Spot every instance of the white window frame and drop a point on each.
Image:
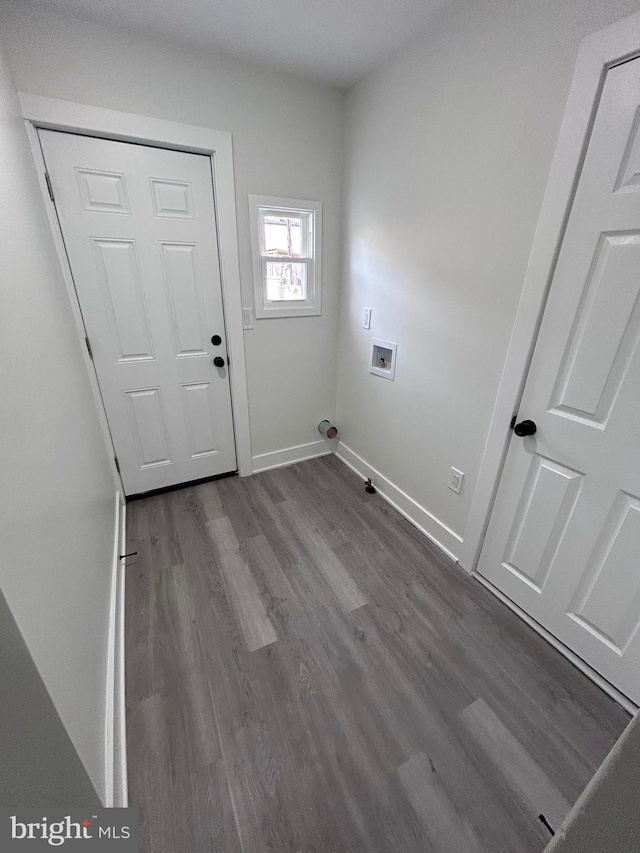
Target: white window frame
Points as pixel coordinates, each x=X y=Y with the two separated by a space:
x=312 y=305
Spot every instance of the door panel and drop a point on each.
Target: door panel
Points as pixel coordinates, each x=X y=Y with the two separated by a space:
x=605 y=600
x=563 y=541
x=184 y=298
x=105 y=192
x=629 y=175
x=199 y=411
x=149 y=427
x=605 y=332
x=548 y=498
x=123 y=299
x=172 y=199
x=140 y=232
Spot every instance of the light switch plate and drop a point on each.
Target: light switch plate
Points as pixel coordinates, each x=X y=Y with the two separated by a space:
x=456 y=479
x=366 y=318
x=247 y=318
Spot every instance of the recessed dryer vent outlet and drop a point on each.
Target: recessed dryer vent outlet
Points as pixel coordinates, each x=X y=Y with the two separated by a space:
x=383 y=358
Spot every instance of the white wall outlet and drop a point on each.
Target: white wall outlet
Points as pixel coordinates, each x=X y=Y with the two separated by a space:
x=456 y=479
x=247 y=318
x=366 y=318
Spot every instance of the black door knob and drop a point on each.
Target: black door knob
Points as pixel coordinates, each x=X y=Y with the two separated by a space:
x=525 y=428
x=216 y=340
x=218 y=361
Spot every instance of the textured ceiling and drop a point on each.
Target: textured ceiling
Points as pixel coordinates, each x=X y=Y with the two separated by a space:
x=332 y=41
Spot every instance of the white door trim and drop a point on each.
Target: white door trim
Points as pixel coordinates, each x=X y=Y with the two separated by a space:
x=598 y=52
x=55 y=114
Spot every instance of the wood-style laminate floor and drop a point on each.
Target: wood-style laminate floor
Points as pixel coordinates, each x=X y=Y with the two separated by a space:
x=306 y=673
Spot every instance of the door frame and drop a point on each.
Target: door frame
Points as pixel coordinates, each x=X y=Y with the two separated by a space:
x=53 y=114
x=599 y=52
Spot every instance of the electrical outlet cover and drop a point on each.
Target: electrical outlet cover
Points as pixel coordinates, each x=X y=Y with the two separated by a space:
x=456 y=479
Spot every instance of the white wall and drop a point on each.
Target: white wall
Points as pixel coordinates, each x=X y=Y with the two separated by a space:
x=287 y=139
x=40 y=766
x=58 y=493
x=448 y=150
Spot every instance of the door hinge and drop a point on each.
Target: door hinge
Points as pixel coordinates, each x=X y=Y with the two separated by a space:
x=115 y=458
x=89 y=350
x=513 y=422
x=49 y=187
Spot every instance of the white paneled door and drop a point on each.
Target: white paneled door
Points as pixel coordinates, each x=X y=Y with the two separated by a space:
x=140 y=233
x=564 y=538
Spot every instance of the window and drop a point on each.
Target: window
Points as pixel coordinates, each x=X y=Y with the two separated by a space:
x=286 y=237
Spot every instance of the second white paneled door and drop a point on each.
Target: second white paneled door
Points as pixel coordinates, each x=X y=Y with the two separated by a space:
x=564 y=537
x=140 y=232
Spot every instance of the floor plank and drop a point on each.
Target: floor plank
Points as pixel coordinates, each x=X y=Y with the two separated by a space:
x=306 y=673
x=445 y=824
x=338 y=579
x=243 y=591
x=513 y=762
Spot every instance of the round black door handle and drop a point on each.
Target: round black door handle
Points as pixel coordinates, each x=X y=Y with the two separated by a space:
x=525 y=428
x=218 y=361
x=216 y=340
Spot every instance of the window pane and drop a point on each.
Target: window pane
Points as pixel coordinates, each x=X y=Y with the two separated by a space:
x=287 y=281
x=283 y=235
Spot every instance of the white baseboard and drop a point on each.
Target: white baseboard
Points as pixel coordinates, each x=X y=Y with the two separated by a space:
x=116 y=795
x=290 y=455
x=120 y=786
x=434 y=529
x=619 y=697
